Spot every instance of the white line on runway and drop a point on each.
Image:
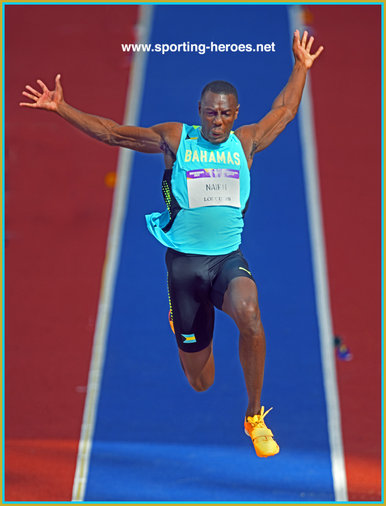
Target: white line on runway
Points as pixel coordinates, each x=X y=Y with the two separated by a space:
x=125 y=160
x=310 y=164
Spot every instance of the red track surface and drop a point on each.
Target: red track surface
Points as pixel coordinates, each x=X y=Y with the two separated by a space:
x=346 y=86
x=57 y=215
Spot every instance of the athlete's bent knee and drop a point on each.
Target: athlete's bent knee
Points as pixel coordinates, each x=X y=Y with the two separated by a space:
x=199 y=368
x=201 y=383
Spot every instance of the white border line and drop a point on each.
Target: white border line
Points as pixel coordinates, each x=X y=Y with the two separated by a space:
x=125 y=160
x=310 y=164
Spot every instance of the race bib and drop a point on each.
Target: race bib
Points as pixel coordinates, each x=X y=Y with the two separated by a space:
x=213 y=187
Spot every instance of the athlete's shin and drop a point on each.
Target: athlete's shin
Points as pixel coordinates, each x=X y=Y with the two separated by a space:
x=252 y=357
x=241 y=304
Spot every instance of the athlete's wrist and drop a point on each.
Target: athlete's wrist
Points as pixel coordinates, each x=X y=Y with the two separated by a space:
x=300 y=66
x=61 y=108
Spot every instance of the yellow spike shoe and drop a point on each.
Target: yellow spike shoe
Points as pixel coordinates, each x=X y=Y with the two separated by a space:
x=262 y=437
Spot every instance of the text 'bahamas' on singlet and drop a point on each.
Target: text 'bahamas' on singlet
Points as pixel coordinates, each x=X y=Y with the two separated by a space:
x=206 y=195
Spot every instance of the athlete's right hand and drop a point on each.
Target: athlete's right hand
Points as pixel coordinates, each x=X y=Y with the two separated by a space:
x=46 y=99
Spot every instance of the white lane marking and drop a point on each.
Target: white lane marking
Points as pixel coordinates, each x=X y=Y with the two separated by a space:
x=309 y=150
x=125 y=160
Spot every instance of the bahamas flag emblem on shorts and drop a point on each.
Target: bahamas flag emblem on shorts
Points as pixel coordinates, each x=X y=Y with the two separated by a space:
x=189 y=338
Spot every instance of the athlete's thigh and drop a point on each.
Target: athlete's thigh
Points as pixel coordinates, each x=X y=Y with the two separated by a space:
x=233 y=267
x=192 y=312
x=195 y=363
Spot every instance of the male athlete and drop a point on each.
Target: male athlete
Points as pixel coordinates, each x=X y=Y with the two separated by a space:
x=206 y=189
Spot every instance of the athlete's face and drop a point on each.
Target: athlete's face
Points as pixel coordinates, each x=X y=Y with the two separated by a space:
x=218 y=113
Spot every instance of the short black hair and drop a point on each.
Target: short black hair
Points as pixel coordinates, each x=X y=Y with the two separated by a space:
x=220 y=87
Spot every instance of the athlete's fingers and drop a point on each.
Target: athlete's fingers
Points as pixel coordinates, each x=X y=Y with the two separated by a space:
x=58 y=84
x=309 y=45
x=304 y=38
x=27 y=104
x=32 y=90
x=321 y=48
x=296 y=39
x=32 y=97
x=43 y=86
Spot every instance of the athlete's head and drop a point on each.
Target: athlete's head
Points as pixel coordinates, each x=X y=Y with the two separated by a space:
x=218 y=109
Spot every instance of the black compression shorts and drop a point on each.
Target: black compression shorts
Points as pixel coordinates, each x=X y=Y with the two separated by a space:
x=196 y=284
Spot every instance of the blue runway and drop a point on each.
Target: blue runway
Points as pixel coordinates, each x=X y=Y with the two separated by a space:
x=155 y=438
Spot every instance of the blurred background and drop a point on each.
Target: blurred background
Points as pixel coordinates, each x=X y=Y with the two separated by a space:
x=155 y=439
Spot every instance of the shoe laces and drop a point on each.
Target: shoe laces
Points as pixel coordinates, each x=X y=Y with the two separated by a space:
x=258 y=420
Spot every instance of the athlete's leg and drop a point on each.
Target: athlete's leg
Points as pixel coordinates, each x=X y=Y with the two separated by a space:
x=198 y=367
x=192 y=316
x=241 y=304
x=235 y=292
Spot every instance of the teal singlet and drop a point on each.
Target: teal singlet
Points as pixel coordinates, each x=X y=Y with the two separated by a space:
x=206 y=195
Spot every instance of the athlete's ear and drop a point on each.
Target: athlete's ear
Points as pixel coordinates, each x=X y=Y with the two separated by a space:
x=237 y=111
x=199 y=107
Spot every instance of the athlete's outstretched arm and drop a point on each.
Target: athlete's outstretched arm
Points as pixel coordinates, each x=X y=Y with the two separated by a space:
x=155 y=139
x=285 y=106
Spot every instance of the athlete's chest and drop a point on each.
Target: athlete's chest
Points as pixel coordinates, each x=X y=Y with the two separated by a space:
x=210 y=175
x=195 y=154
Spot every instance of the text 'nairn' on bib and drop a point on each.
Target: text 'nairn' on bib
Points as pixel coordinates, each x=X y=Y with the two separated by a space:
x=213 y=187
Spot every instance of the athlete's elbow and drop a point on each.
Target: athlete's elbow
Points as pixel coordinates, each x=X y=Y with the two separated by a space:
x=290 y=113
x=287 y=114
x=111 y=134
x=114 y=139
x=106 y=138
x=110 y=139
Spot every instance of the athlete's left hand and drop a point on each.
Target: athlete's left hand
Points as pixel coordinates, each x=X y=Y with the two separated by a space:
x=302 y=49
